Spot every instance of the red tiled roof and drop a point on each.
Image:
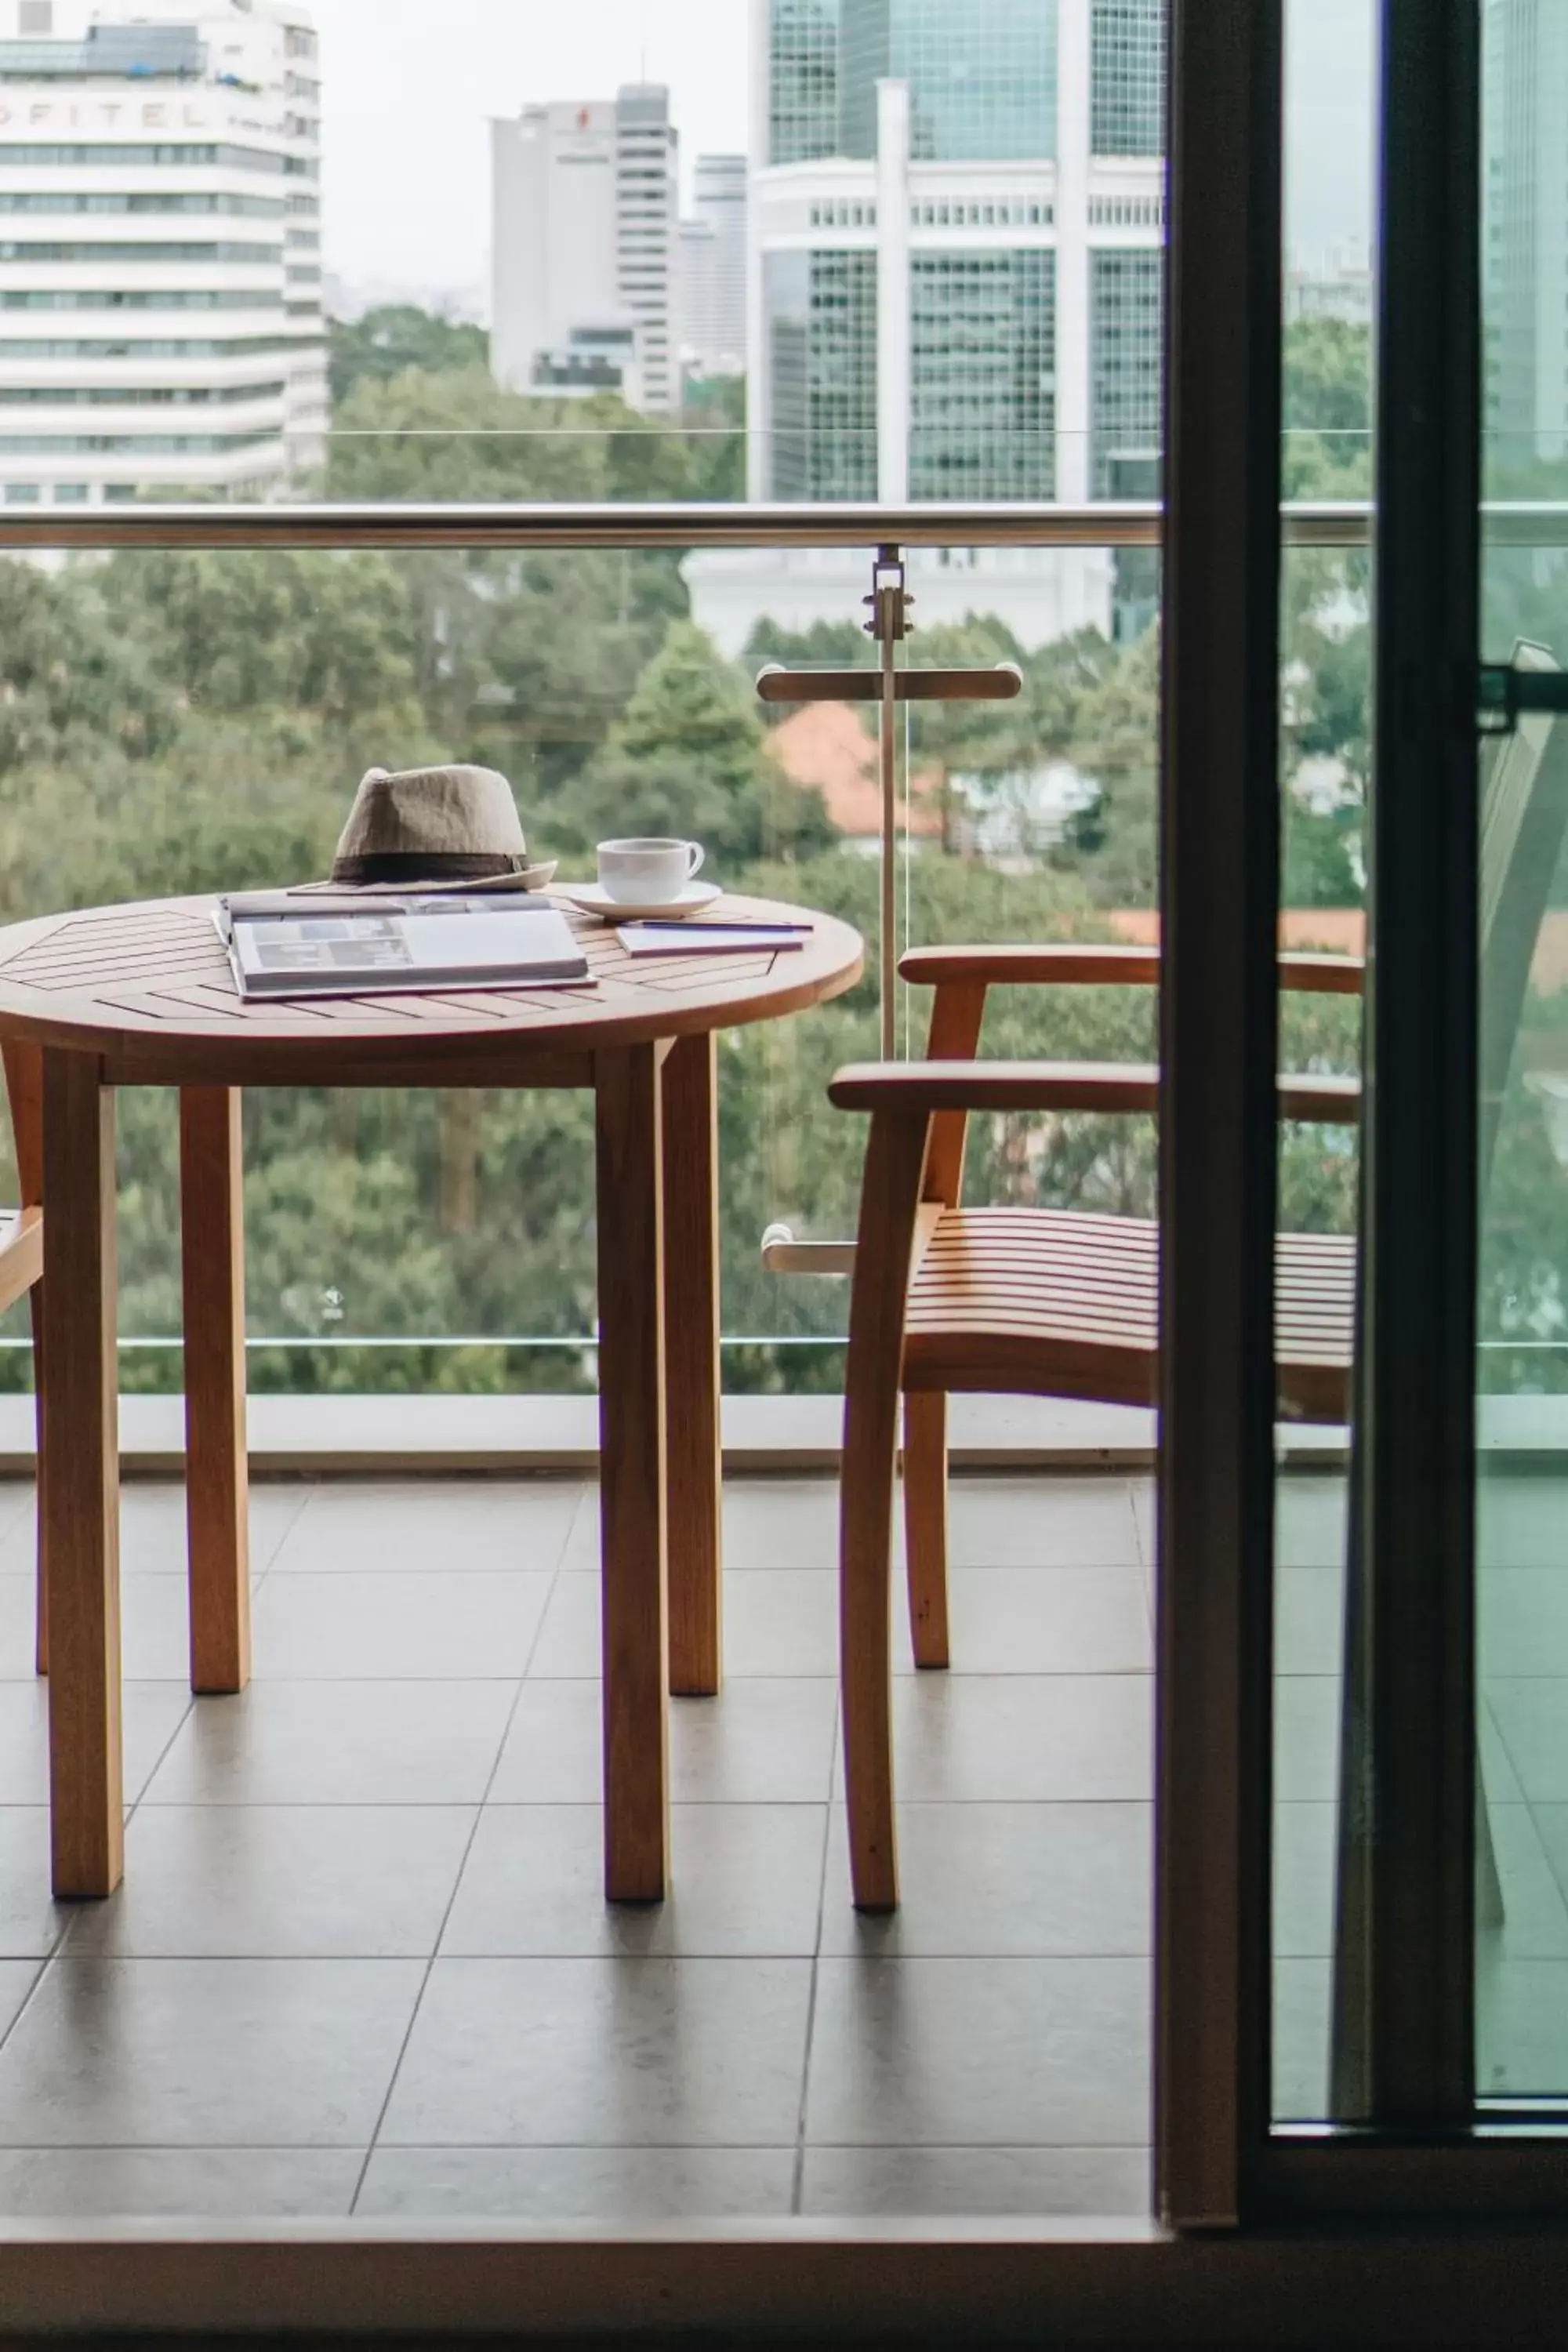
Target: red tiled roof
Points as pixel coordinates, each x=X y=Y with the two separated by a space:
x=824 y=744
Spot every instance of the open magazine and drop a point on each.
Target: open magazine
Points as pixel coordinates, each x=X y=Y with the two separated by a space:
x=283 y=944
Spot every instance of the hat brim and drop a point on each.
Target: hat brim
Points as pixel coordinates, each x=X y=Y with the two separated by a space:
x=527 y=877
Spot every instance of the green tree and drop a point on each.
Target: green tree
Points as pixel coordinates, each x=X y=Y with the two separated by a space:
x=394 y=337
x=1114 y=840
x=689 y=759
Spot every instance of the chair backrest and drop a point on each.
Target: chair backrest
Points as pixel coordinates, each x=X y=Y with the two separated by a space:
x=1524 y=815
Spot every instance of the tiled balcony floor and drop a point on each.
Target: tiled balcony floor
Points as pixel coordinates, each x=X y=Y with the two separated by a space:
x=362 y=1964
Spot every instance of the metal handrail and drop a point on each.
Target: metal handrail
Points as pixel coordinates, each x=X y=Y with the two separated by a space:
x=633 y=525
x=1341 y=524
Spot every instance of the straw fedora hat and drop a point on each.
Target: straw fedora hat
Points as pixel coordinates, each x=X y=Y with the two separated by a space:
x=435 y=829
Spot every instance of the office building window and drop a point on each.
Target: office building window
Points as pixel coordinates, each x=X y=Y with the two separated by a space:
x=1127 y=311
x=982 y=78
x=982 y=358
x=822 y=360
x=1127 y=66
x=803 y=80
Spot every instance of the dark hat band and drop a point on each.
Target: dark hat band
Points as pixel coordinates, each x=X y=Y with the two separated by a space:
x=413 y=866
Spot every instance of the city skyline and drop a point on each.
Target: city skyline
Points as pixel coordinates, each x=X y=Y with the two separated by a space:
x=425 y=232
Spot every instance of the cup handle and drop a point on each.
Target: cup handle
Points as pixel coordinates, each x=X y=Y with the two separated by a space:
x=696 y=854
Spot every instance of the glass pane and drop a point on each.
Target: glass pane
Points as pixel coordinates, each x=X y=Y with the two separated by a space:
x=1521 y=1955
x=1325 y=651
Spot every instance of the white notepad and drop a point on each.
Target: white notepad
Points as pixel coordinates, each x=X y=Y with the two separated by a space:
x=706 y=939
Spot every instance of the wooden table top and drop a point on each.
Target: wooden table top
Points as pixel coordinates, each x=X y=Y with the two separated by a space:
x=148 y=988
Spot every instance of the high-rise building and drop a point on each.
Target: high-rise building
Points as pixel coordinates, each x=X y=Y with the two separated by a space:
x=583 y=249
x=646 y=238
x=713 y=267
x=1525 y=229
x=1338 y=284
x=957 y=224
x=160 y=321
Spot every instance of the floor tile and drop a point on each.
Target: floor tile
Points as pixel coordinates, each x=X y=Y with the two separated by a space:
x=150 y=1713
x=17 y=1979
x=768 y=1523
x=413 y=1626
x=1532 y=1716
x=31 y=1924
x=16 y=1507
x=746 y=1881
x=221 y=1881
x=1145 y=1518
x=1309 y=1521
x=993 y=1880
x=17 y=1619
x=570 y=1644
x=213 y=2184
x=1021 y=1739
x=390 y=1743
x=792 y=1523
x=978 y=2052
x=1523 y=1620
x=155 y=1628
x=1305 y=1869
x=510 y=1527
x=581 y=2053
x=777 y=1622
x=1530 y=1846
x=1302 y=1999
x=1521 y=2027
x=198 y=2053
x=1042 y=1523
x=578 y=2184
x=876 y=2183
x=1308 y=1621
x=1306 y=1738
x=757 y=1743
x=1520 y=1522
x=781 y=1523
x=1014 y=1621
x=153 y=1526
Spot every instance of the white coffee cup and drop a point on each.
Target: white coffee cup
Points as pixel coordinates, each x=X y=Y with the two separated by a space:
x=647 y=873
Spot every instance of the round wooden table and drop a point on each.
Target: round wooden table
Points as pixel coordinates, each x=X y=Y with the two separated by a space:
x=142 y=996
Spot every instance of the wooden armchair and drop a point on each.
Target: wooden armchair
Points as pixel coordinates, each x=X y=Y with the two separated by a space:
x=1015 y=1301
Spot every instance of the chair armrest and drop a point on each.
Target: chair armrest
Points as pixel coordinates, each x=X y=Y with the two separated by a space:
x=1098 y=965
x=1091 y=965
x=921 y=1088
x=928 y=1086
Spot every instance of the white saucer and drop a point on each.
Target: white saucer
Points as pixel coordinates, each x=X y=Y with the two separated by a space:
x=592 y=899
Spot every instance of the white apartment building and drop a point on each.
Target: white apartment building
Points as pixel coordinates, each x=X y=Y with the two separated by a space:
x=713 y=268
x=161 y=320
x=584 y=249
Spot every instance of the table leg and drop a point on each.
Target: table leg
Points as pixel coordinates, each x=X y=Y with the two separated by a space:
x=693 y=1453
x=80 y=1488
x=216 y=1475
x=25 y=1087
x=632 y=1487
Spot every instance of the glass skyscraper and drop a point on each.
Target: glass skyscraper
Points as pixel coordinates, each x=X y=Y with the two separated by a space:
x=1128 y=78
x=959 y=242
x=982 y=77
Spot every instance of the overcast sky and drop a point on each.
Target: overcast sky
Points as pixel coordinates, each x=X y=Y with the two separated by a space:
x=409 y=87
